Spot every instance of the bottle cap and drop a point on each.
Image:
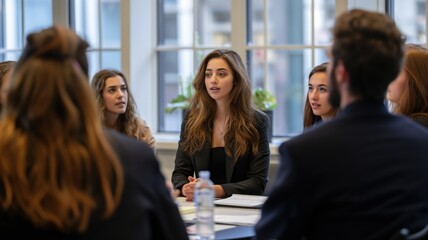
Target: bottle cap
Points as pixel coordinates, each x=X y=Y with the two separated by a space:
x=204 y=174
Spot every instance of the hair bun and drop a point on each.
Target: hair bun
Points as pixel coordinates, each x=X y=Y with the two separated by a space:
x=56 y=43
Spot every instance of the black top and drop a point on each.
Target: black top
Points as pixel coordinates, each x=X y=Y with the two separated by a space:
x=217 y=165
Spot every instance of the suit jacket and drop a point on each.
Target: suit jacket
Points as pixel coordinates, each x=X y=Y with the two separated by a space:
x=421 y=118
x=247 y=175
x=362 y=175
x=146 y=210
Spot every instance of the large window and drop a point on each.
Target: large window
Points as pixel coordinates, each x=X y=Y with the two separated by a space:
x=187 y=30
x=286 y=38
x=18 y=18
x=410 y=17
x=281 y=41
x=98 y=21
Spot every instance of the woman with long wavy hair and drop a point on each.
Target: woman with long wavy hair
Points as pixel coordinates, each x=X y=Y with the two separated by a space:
x=408 y=93
x=61 y=174
x=117 y=105
x=222 y=131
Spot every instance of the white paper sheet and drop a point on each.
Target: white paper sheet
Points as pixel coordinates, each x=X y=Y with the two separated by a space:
x=242 y=200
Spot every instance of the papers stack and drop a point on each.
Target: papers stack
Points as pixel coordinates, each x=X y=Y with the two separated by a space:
x=242 y=200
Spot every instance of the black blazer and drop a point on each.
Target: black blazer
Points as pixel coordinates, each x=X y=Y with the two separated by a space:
x=146 y=210
x=362 y=175
x=248 y=175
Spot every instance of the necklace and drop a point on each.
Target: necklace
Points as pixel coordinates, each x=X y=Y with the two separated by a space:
x=221 y=132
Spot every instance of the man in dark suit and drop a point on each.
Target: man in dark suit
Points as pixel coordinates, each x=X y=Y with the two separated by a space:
x=364 y=174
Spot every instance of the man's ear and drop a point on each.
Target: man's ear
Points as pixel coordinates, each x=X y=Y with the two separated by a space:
x=341 y=73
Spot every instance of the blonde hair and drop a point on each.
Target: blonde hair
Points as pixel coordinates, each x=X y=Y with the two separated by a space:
x=56 y=166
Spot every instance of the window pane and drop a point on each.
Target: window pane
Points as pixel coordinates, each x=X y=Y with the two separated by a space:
x=15 y=26
x=175 y=22
x=324 y=20
x=320 y=56
x=287 y=71
x=110 y=23
x=364 y=4
x=171 y=67
x=12 y=26
x=111 y=59
x=213 y=23
x=256 y=61
x=12 y=56
x=86 y=22
x=98 y=60
x=289 y=22
x=255 y=23
x=94 y=62
x=37 y=15
x=410 y=17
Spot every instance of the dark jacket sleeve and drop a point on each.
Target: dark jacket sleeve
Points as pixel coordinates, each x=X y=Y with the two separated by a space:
x=183 y=167
x=166 y=221
x=258 y=165
x=147 y=209
x=281 y=217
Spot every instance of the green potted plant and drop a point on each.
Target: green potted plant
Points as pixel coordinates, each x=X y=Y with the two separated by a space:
x=186 y=92
x=266 y=102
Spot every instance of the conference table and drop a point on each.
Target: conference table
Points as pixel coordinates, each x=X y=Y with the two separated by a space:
x=231 y=221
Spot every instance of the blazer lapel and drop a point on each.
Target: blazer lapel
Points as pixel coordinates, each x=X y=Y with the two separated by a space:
x=230 y=164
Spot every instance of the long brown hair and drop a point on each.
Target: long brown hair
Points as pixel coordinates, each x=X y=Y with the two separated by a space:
x=241 y=131
x=56 y=165
x=309 y=118
x=5 y=67
x=128 y=121
x=414 y=99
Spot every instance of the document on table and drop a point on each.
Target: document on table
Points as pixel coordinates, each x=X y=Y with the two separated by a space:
x=186 y=209
x=242 y=200
x=248 y=220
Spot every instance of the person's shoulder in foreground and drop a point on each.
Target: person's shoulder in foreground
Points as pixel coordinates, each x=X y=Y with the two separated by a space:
x=147 y=210
x=61 y=175
x=361 y=175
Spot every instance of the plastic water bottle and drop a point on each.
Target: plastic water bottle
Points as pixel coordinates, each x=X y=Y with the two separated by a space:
x=204 y=201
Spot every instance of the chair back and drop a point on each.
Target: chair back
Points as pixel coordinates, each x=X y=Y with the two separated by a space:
x=404 y=234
